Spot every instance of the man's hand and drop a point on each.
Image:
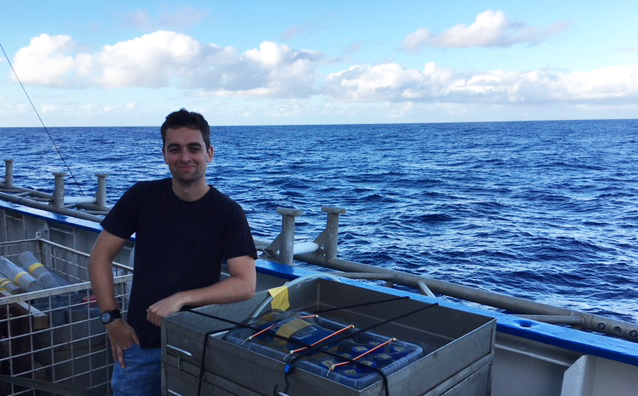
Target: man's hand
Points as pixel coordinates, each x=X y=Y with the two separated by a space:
x=163 y=308
x=122 y=336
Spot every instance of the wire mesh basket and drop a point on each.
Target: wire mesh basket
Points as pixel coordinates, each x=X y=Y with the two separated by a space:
x=54 y=336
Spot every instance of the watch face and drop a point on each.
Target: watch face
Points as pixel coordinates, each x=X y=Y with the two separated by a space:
x=109 y=316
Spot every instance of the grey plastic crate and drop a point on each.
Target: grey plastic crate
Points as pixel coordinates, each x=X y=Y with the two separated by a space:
x=462 y=346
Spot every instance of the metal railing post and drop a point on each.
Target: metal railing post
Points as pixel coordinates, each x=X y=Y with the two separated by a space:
x=58 y=193
x=8 y=173
x=286 y=250
x=100 y=194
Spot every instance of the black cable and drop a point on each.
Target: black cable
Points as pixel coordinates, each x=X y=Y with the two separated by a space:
x=361 y=304
x=350 y=335
x=201 y=366
x=42 y=122
x=289 y=366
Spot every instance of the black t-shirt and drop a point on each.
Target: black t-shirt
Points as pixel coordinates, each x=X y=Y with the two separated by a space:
x=179 y=245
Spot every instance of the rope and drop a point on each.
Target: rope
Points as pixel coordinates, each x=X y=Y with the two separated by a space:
x=42 y=122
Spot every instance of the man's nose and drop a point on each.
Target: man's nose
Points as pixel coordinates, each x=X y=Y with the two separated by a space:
x=184 y=156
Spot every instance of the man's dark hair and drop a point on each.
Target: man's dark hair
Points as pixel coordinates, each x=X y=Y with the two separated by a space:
x=186 y=119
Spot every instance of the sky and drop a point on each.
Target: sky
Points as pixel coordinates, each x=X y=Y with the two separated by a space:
x=130 y=63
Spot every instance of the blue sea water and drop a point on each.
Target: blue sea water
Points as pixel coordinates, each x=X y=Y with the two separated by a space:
x=541 y=210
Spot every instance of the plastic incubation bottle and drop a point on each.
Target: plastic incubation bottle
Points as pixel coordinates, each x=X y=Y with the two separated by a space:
x=29 y=262
x=8 y=286
x=19 y=275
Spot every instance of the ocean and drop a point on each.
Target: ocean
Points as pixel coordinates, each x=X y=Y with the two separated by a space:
x=541 y=210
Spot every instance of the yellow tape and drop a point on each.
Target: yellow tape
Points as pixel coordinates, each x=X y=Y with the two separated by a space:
x=20 y=275
x=4 y=282
x=292 y=327
x=279 y=298
x=35 y=266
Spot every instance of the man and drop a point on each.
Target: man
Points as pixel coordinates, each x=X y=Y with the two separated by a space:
x=184 y=230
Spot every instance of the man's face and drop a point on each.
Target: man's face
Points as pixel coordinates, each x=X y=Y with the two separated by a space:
x=186 y=155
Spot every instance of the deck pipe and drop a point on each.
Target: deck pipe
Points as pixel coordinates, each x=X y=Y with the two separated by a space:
x=47 y=207
x=56 y=202
x=513 y=304
x=540 y=311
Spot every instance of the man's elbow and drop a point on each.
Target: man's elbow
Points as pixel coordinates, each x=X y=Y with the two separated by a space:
x=243 y=269
x=250 y=289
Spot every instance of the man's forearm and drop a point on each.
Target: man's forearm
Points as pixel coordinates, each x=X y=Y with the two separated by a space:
x=101 y=269
x=102 y=283
x=229 y=290
x=238 y=287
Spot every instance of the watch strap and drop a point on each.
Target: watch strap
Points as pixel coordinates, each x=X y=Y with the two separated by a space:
x=108 y=316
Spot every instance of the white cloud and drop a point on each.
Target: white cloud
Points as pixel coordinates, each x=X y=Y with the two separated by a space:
x=490 y=29
x=152 y=60
x=91 y=109
x=627 y=49
x=50 y=108
x=613 y=82
x=46 y=61
x=272 y=70
x=394 y=83
x=166 y=58
x=387 y=82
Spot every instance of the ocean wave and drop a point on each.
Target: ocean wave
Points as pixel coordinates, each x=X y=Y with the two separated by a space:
x=544 y=210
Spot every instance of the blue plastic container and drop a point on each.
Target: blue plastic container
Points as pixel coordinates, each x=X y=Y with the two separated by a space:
x=306 y=331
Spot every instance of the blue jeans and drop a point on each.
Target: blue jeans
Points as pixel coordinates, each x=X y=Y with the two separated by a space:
x=142 y=375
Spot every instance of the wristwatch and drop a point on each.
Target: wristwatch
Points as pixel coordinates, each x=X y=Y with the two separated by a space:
x=108 y=316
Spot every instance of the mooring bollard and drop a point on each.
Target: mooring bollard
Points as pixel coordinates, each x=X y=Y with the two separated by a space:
x=329 y=238
x=282 y=248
